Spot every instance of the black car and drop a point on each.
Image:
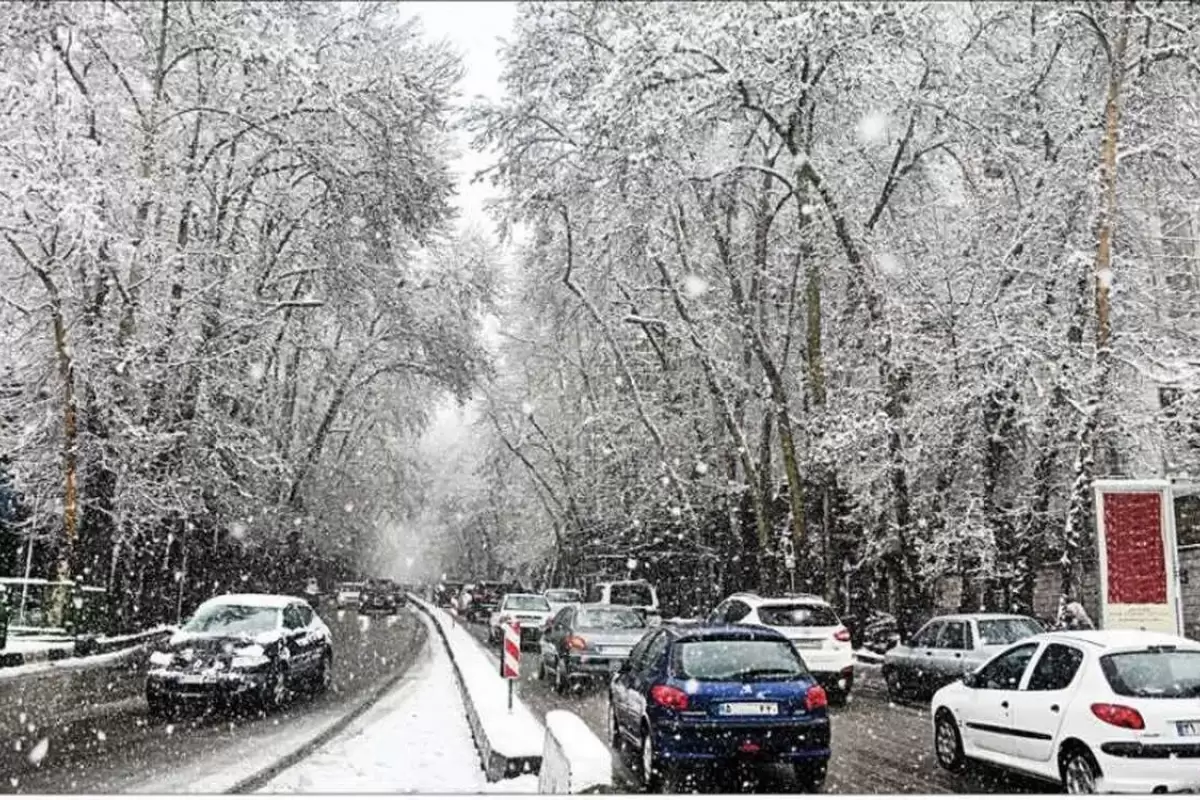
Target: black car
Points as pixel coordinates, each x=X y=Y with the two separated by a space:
x=380 y=594
x=255 y=648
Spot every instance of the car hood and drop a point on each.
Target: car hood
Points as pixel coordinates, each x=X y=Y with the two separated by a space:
x=206 y=642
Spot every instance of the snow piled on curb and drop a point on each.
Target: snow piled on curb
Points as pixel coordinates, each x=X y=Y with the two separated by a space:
x=416 y=740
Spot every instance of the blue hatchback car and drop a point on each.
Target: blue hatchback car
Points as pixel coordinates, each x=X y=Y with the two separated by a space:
x=694 y=695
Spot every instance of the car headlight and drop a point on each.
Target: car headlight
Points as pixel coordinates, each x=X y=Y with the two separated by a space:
x=249 y=657
x=160 y=659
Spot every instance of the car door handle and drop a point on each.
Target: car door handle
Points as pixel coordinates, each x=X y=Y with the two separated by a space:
x=958 y=655
x=1054 y=708
x=1004 y=704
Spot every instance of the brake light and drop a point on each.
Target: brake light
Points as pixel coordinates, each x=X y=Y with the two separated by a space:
x=1120 y=716
x=842 y=635
x=669 y=697
x=815 y=698
x=577 y=643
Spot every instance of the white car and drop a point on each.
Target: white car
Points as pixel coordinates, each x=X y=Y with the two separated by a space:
x=812 y=626
x=1111 y=711
x=639 y=595
x=561 y=598
x=532 y=611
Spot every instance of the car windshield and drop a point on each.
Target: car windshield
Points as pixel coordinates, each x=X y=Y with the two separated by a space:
x=609 y=618
x=563 y=596
x=738 y=660
x=1154 y=673
x=1007 y=630
x=233 y=619
x=631 y=594
x=798 y=615
x=527 y=602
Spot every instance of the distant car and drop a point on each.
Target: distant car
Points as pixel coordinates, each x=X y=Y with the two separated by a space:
x=312 y=590
x=639 y=594
x=560 y=598
x=485 y=597
x=242 y=647
x=716 y=695
x=591 y=641
x=349 y=595
x=530 y=610
x=446 y=593
x=1111 y=711
x=379 y=594
x=948 y=647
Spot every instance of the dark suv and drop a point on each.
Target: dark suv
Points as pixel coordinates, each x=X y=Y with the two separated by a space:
x=380 y=594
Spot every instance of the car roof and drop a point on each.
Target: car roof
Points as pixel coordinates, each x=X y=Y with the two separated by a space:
x=1121 y=639
x=262 y=600
x=757 y=600
x=524 y=594
x=978 y=616
x=603 y=606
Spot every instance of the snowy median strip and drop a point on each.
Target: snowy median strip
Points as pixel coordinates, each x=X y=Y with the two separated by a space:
x=574 y=760
x=415 y=740
x=509 y=741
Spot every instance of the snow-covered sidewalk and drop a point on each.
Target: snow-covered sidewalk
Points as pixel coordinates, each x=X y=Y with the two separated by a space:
x=415 y=740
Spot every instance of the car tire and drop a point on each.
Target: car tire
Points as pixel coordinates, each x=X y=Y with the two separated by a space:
x=275 y=692
x=947 y=742
x=1079 y=770
x=560 y=678
x=324 y=678
x=897 y=690
x=159 y=708
x=616 y=741
x=653 y=779
x=810 y=776
x=838 y=699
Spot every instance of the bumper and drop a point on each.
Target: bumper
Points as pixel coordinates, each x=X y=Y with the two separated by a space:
x=601 y=666
x=180 y=689
x=1150 y=770
x=839 y=682
x=382 y=605
x=790 y=741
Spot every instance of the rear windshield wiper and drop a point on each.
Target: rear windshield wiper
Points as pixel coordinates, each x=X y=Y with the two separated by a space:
x=751 y=674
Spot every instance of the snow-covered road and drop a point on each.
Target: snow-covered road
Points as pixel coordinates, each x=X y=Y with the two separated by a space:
x=415 y=740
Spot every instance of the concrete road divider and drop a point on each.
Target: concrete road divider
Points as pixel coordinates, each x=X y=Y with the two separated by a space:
x=574 y=760
x=509 y=741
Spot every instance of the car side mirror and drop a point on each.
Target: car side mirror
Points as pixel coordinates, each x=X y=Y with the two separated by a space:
x=969 y=680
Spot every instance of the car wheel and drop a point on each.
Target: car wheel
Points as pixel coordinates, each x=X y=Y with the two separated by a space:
x=810 y=776
x=896 y=689
x=325 y=675
x=652 y=777
x=838 y=699
x=560 y=678
x=1080 y=773
x=947 y=743
x=615 y=741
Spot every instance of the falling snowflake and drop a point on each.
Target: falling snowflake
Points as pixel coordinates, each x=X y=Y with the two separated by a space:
x=694 y=286
x=237 y=530
x=808 y=209
x=39 y=751
x=701 y=468
x=170 y=729
x=888 y=264
x=527 y=409
x=873 y=128
x=102 y=736
x=256 y=373
x=1104 y=278
x=676 y=511
x=349 y=507
x=22 y=717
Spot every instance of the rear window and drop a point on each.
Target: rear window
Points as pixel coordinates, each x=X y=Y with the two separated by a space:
x=609 y=618
x=1154 y=673
x=528 y=602
x=630 y=594
x=738 y=660
x=563 y=596
x=798 y=615
x=1007 y=631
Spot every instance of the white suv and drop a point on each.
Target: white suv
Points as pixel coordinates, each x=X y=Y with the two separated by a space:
x=812 y=626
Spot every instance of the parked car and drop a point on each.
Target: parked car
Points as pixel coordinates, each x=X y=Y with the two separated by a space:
x=559 y=598
x=590 y=641
x=446 y=593
x=810 y=624
x=530 y=610
x=242 y=647
x=485 y=598
x=640 y=595
x=380 y=594
x=349 y=595
x=1113 y=711
x=948 y=647
x=714 y=695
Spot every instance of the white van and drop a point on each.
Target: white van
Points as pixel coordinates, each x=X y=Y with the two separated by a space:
x=640 y=595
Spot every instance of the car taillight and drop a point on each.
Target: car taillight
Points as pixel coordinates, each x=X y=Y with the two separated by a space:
x=669 y=697
x=815 y=698
x=576 y=643
x=842 y=635
x=1120 y=716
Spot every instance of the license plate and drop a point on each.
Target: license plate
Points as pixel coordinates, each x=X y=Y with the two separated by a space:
x=1189 y=727
x=750 y=709
x=808 y=644
x=616 y=651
